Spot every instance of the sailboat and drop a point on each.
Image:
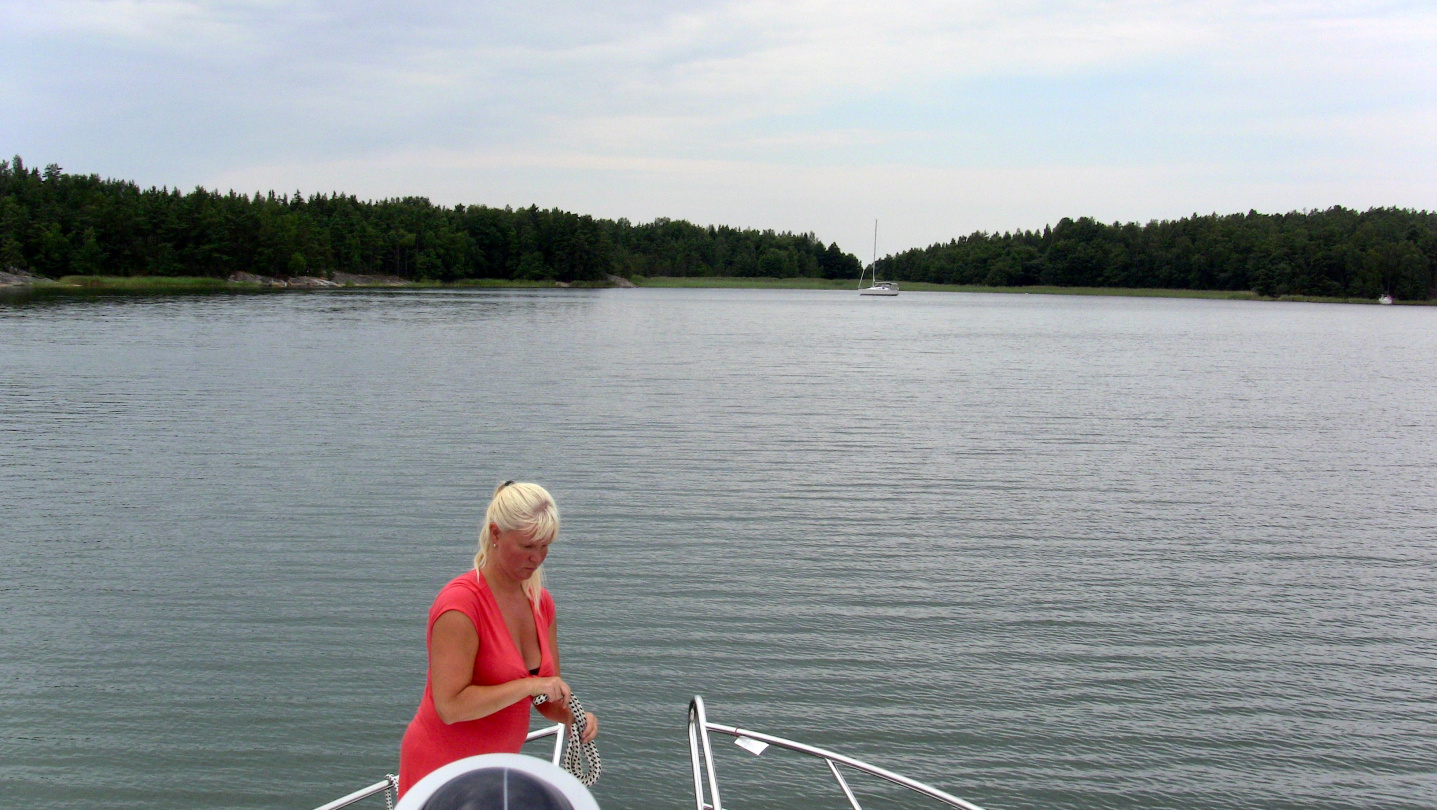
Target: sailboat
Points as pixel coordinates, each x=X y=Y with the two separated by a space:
x=879 y=287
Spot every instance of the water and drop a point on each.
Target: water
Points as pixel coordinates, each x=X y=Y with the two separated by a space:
x=1054 y=552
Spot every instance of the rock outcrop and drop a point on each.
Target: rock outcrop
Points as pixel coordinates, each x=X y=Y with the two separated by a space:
x=263 y=281
x=312 y=283
x=620 y=281
x=296 y=282
x=15 y=277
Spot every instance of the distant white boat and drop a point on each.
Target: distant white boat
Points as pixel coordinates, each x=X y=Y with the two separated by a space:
x=1385 y=299
x=878 y=287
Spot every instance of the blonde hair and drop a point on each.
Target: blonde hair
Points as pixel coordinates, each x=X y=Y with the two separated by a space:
x=524 y=506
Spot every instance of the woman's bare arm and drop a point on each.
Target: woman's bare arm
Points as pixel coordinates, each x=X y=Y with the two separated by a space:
x=453 y=645
x=560 y=713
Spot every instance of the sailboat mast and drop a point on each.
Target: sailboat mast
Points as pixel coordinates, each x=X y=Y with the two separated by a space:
x=875 y=252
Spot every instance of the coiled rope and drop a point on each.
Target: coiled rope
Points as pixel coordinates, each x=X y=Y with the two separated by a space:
x=580 y=758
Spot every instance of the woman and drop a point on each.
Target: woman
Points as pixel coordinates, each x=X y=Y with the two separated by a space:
x=493 y=643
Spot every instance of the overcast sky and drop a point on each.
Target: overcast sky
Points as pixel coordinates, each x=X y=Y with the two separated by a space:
x=937 y=119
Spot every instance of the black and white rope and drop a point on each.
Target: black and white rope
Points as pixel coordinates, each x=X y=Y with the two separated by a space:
x=580 y=758
x=391 y=791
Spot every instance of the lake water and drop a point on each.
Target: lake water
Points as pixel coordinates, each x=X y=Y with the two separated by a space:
x=1041 y=551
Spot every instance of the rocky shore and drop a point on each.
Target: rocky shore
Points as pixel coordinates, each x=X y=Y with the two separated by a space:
x=317 y=283
x=11 y=277
x=13 y=280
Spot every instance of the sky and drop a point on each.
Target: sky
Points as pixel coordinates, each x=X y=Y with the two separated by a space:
x=936 y=119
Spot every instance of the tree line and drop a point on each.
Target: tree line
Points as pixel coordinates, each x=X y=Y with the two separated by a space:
x=54 y=223
x=1335 y=253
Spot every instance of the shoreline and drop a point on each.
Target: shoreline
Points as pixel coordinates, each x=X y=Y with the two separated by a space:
x=725 y=282
x=101 y=286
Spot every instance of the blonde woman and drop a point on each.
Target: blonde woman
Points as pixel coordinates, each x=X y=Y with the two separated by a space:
x=493 y=643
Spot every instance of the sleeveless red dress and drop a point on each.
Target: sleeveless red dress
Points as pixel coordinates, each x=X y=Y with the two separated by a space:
x=429 y=743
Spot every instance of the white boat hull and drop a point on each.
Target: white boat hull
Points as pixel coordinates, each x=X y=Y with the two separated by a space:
x=878 y=291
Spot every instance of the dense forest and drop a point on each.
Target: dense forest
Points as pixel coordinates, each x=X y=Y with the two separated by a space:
x=55 y=224
x=1334 y=253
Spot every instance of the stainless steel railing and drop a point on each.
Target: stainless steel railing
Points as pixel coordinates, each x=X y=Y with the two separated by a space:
x=701 y=755
x=706 y=789
x=556 y=731
x=359 y=795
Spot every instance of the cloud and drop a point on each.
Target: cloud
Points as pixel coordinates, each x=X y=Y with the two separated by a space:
x=159 y=24
x=729 y=109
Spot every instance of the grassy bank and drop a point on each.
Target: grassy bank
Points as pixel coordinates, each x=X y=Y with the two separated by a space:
x=516 y=283
x=130 y=285
x=1133 y=292
x=730 y=282
x=848 y=284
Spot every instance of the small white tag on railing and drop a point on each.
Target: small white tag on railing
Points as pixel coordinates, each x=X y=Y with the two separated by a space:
x=751 y=745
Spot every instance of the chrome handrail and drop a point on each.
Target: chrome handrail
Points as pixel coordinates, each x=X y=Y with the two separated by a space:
x=362 y=793
x=699 y=729
x=698 y=722
x=556 y=731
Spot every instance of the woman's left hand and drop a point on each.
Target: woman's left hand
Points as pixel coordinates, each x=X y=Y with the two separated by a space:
x=591 y=729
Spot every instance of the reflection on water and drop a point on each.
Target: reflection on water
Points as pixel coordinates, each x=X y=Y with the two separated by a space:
x=1040 y=551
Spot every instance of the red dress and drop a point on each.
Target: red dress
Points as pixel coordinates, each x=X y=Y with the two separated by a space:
x=429 y=743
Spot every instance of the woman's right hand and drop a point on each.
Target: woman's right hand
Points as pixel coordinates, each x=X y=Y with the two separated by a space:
x=554 y=689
